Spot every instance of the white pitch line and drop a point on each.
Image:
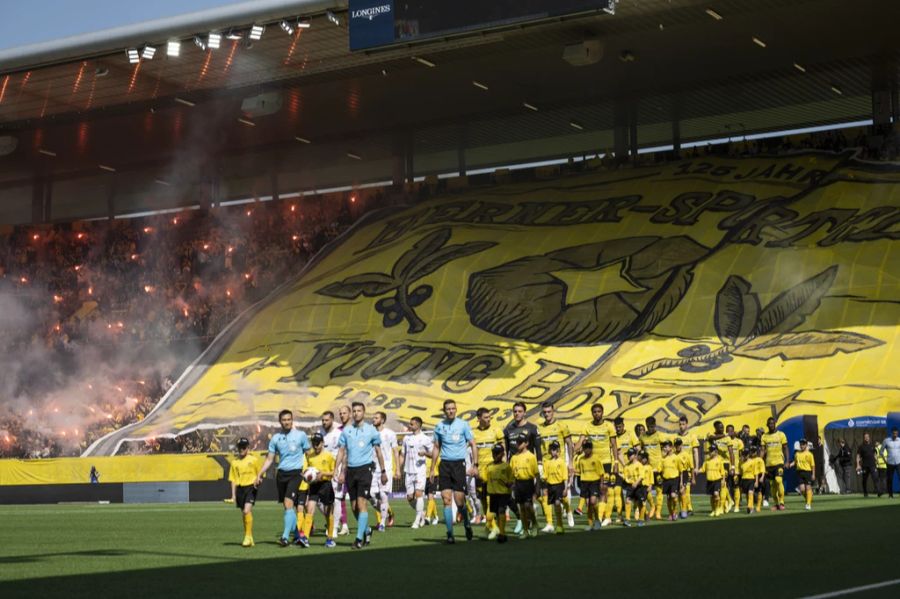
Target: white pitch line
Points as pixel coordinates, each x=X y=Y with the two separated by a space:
x=852 y=590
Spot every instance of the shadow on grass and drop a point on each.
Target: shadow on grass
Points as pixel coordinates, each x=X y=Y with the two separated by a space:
x=752 y=556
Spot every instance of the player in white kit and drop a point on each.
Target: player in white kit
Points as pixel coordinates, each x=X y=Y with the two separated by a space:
x=381 y=494
x=416 y=445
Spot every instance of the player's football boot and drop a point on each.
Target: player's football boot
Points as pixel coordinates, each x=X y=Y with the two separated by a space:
x=501 y=538
x=344 y=530
x=302 y=541
x=518 y=528
x=329 y=543
x=283 y=542
x=381 y=527
x=548 y=529
x=248 y=542
x=450 y=540
x=357 y=544
x=495 y=532
x=559 y=530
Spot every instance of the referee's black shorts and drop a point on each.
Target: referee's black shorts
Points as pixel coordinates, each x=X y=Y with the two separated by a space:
x=359 y=481
x=288 y=484
x=452 y=476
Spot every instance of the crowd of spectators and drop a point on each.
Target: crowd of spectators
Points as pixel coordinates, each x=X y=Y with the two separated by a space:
x=180 y=278
x=143 y=284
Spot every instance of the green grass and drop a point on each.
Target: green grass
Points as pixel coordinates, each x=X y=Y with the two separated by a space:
x=193 y=550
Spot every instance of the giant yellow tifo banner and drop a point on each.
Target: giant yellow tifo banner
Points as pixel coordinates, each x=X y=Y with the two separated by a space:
x=733 y=289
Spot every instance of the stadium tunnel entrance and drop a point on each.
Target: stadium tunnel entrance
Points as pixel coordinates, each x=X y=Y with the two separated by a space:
x=851 y=431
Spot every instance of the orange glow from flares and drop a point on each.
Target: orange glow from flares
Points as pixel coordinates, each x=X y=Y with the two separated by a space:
x=78 y=77
x=290 y=54
x=134 y=75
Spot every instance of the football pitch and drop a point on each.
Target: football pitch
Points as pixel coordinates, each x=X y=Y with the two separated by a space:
x=194 y=551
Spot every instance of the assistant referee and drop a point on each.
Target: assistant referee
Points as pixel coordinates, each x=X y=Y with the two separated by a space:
x=452 y=439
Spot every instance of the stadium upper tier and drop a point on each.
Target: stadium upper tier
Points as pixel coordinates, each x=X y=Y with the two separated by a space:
x=716 y=287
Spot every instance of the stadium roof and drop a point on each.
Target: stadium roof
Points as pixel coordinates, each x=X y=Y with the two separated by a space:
x=765 y=64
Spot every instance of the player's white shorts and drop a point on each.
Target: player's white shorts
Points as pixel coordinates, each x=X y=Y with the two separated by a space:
x=377 y=487
x=339 y=490
x=415 y=481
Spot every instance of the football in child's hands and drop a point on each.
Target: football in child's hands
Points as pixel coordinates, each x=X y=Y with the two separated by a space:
x=310 y=474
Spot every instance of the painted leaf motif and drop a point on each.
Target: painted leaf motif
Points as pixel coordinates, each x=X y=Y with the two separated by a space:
x=790 y=308
x=737 y=310
x=420 y=250
x=806 y=345
x=370 y=284
x=453 y=252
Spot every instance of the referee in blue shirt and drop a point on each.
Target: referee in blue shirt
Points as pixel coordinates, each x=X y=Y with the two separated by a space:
x=452 y=439
x=291 y=446
x=360 y=442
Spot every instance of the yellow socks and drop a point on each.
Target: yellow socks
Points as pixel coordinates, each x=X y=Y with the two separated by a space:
x=659 y=502
x=307 y=524
x=548 y=513
x=759 y=500
x=809 y=496
x=779 y=490
x=581 y=503
x=248 y=525
x=628 y=510
x=713 y=505
x=557 y=511
x=567 y=505
x=431 y=509
x=617 y=495
x=737 y=498
x=330 y=529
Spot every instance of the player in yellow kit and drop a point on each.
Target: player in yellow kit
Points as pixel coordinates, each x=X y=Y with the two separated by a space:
x=319 y=490
x=714 y=468
x=651 y=442
x=691 y=448
x=550 y=430
x=242 y=475
x=499 y=480
x=775 y=454
x=602 y=434
x=555 y=474
x=734 y=475
x=671 y=478
x=525 y=470
x=590 y=472
x=686 y=468
x=635 y=492
x=805 y=462
x=725 y=449
x=752 y=473
x=486 y=437
x=625 y=440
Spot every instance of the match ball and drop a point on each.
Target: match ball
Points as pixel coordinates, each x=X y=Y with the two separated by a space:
x=310 y=474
